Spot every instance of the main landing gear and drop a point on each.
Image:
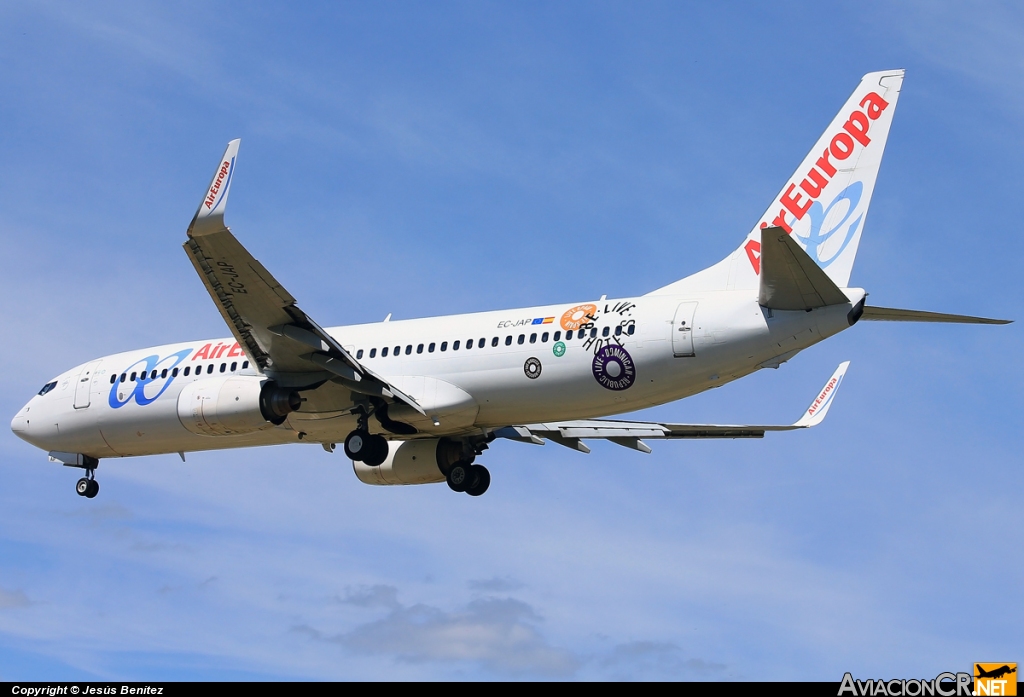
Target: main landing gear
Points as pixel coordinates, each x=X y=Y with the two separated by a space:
x=471 y=479
x=87 y=486
x=362 y=446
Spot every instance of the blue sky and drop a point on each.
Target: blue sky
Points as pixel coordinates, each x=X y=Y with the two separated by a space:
x=434 y=158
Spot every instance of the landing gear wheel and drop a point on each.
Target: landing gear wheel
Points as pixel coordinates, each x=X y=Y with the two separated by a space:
x=480 y=479
x=358 y=445
x=459 y=477
x=377 y=451
x=87 y=487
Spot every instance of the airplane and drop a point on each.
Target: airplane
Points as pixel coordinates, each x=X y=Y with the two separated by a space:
x=417 y=401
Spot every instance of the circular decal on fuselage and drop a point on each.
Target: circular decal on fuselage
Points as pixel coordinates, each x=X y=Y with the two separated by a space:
x=558 y=349
x=575 y=317
x=532 y=368
x=614 y=368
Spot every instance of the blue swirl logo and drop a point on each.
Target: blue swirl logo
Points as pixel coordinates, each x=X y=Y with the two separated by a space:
x=816 y=238
x=145 y=390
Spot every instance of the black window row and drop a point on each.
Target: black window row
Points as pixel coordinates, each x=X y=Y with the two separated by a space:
x=482 y=342
x=126 y=377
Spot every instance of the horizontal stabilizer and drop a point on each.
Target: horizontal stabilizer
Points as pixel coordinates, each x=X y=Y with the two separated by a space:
x=790 y=279
x=629 y=433
x=888 y=314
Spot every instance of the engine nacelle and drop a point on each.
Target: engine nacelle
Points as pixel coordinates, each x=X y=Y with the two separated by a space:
x=225 y=406
x=420 y=461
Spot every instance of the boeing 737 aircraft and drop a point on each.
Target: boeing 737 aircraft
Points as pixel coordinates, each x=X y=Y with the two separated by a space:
x=417 y=401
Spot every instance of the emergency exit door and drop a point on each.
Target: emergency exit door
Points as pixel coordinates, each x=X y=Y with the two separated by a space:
x=682 y=330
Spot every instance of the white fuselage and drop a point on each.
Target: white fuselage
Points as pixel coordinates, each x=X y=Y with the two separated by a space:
x=678 y=346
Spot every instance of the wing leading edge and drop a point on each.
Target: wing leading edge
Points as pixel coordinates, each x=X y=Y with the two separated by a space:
x=264 y=318
x=630 y=434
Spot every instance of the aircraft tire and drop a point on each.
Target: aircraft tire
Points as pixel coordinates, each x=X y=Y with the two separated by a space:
x=378 y=451
x=459 y=476
x=94 y=488
x=82 y=487
x=358 y=445
x=481 y=479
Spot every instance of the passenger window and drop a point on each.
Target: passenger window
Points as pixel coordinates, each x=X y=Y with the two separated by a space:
x=430 y=349
x=209 y=369
x=359 y=354
x=508 y=340
x=494 y=341
x=245 y=364
x=174 y=373
x=469 y=344
x=408 y=349
x=398 y=351
x=544 y=338
x=618 y=330
x=533 y=338
x=568 y=335
x=163 y=373
x=187 y=369
x=455 y=346
x=132 y=378
x=631 y=329
x=123 y=377
x=444 y=345
x=384 y=352
x=112 y=379
x=522 y=338
x=419 y=349
x=604 y=332
x=557 y=336
x=373 y=353
x=223 y=367
x=152 y=376
x=593 y=333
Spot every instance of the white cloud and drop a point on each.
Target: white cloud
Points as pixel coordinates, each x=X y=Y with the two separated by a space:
x=498 y=633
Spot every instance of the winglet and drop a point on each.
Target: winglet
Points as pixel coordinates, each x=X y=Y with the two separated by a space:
x=815 y=413
x=210 y=216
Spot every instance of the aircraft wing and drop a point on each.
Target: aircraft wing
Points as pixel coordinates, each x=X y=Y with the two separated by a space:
x=274 y=333
x=631 y=433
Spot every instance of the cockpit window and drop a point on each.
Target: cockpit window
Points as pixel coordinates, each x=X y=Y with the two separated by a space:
x=47 y=387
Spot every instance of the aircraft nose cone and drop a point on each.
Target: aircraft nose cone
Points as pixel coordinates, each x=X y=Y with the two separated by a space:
x=21 y=423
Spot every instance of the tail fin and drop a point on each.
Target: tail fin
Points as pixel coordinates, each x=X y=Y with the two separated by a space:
x=824 y=203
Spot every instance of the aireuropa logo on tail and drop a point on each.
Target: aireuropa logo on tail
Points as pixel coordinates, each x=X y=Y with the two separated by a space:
x=803 y=201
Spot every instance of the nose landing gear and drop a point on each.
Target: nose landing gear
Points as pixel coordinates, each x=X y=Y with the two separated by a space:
x=87 y=486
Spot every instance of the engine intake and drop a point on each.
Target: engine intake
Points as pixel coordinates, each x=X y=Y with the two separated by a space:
x=235 y=404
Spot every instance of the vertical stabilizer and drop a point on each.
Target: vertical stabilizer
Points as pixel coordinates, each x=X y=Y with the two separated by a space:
x=824 y=203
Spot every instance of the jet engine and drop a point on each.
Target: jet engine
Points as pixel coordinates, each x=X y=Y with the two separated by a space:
x=420 y=461
x=230 y=405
